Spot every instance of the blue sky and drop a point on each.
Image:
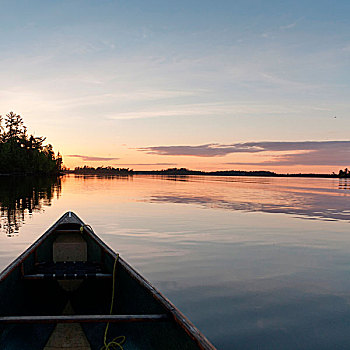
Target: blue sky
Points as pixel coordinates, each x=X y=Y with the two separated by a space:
x=105 y=79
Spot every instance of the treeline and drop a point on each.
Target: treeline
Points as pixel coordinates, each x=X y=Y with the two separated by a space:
x=87 y=170
x=21 y=153
x=170 y=171
x=184 y=171
x=344 y=173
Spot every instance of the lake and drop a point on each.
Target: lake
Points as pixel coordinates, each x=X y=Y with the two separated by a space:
x=255 y=263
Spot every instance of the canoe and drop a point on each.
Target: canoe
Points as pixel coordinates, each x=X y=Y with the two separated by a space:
x=69 y=290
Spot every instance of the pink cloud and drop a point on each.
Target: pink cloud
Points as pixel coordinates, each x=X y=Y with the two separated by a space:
x=91 y=158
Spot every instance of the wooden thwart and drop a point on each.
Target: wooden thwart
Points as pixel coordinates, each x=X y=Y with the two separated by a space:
x=83 y=318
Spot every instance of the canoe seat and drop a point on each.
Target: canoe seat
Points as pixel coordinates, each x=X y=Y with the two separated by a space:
x=67 y=270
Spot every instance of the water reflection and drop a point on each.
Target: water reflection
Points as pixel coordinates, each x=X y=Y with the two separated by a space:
x=312 y=199
x=184 y=178
x=21 y=195
x=103 y=177
x=344 y=184
x=246 y=278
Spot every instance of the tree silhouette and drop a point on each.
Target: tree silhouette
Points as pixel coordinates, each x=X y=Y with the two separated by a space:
x=20 y=153
x=344 y=173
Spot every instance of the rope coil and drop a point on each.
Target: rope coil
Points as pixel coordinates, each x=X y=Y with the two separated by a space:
x=117 y=342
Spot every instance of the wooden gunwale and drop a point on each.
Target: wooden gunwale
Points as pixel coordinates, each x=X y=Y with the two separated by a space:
x=84 y=318
x=177 y=315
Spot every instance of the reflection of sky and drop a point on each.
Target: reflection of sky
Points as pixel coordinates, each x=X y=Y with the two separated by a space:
x=229 y=252
x=313 y=199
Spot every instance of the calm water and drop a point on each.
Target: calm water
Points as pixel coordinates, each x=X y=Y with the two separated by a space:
x=255 y=263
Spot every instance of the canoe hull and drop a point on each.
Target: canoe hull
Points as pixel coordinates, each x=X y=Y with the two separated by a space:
x=27 y=289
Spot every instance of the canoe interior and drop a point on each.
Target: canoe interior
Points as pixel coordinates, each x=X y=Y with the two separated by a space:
x=39 y=297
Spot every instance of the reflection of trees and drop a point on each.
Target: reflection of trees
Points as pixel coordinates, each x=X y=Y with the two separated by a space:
x=21 y=195
x=104 y=177
x=344 y=184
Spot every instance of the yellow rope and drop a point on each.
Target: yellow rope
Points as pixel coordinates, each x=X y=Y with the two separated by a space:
x=117 y=342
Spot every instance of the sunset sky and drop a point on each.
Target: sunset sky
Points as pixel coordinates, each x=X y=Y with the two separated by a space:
x=210 y=85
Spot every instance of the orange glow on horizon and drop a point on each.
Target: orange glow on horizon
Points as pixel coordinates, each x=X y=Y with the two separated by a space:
x=216 y=165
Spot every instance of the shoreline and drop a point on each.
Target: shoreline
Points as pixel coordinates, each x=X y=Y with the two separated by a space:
x=240 y=174
x=180 y=174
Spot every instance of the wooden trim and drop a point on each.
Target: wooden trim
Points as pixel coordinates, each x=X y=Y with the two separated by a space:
x=84 y=318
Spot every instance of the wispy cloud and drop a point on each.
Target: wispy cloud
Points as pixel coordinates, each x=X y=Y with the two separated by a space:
x=91 y=158
x=108 y=98
x=208 y=150
x=276 y=30
x=202 y=109
x=177 y=110
x=306 y=152
x=129 y=96
x=289 y=26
